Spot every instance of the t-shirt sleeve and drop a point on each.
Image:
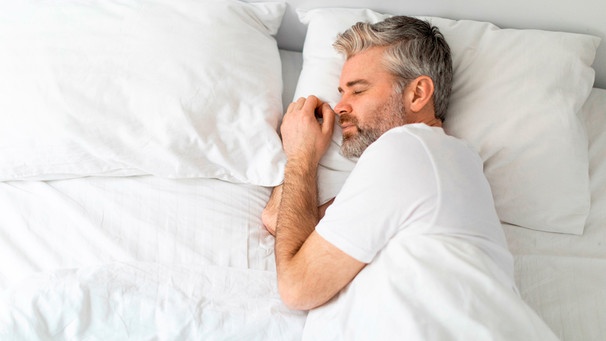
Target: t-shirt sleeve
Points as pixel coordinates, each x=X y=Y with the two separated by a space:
x=392 y=186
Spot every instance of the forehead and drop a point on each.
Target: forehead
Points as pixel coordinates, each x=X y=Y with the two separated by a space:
x=366 y=65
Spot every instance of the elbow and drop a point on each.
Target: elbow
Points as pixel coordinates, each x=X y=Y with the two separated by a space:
x=296 y=296
x=293 y=299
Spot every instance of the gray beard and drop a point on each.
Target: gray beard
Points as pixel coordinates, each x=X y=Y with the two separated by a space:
x=353 y=145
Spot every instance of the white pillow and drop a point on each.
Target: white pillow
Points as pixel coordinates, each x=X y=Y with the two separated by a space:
x=179 y=89
x=515 y=97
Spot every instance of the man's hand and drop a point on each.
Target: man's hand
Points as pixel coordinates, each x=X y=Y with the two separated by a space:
x=303 y=136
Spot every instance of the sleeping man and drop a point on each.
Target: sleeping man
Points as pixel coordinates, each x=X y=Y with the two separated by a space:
x=411 y=248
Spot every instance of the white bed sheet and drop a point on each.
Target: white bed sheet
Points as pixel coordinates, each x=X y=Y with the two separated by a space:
x=141 y=258
x=90 y=221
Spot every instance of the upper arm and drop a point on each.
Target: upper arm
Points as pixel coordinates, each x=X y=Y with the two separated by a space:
x=324 y=270
x=392 y=188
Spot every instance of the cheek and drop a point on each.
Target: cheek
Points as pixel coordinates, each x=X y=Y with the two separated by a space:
x=368 y=112
x=385 y=115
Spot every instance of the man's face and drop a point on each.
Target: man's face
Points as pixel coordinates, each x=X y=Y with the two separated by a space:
x=369 y=104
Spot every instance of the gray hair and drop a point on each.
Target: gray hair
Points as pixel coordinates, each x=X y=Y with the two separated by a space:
x=414 y=48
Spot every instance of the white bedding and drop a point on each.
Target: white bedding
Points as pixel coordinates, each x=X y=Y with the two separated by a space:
x=444 y=288
x=591 y=243
x=142 y=218
x=138 y=258
x=563 y=277
x=98 y=220
x=148 y=301
x=150 y=258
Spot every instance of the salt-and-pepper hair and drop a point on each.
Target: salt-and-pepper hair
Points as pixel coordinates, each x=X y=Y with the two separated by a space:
x=414 y=48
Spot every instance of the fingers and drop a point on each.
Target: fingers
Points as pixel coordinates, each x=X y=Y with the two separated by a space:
x=296 y=105
x=291 y=106
x=328 y=117
x=310 y=106
x=307 y=128
x=301 y=103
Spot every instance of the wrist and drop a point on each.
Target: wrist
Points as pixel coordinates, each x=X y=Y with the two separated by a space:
x=301 y=167
x=300 y=184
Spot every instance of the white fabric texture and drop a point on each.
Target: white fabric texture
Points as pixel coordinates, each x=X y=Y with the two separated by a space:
x=148 y=301
x=430 y=288
x=139 y=258
x=178 y=89
x=562 y=276
x=418 y=208
x=515 y=98
x=83 y=222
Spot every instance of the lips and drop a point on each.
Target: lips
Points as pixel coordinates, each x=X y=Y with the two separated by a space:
x=347 y=121
x=347 y=125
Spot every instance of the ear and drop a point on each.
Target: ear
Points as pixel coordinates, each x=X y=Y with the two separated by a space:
x=420 y=93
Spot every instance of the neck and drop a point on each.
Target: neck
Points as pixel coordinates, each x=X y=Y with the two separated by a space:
x=425 y=116
x=433 y=122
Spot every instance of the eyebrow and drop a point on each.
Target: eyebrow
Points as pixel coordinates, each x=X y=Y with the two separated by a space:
x=352 y=83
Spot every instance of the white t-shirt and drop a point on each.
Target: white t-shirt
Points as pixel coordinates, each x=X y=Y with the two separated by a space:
x=419 y=210
x=415 y=179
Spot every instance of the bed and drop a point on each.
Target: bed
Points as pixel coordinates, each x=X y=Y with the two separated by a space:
x=139 y=145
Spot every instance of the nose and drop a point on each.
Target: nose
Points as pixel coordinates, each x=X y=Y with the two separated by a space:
x=342 y=107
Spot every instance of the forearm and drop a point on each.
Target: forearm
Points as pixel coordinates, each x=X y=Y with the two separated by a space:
x=298 y=213
x=301 y=255
x=310 y=270
x=297 y=218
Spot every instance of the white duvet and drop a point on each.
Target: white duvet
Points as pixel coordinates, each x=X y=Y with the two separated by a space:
x=429 y=288
x=148 y=301
x=444 y=289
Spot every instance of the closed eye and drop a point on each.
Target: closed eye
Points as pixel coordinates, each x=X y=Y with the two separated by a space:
x=351 y=84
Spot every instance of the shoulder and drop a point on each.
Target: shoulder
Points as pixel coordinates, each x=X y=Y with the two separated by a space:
x=411 y=141
x=401 y=155
x=414 y=142
x=419 y=134
x=416 y=153
x=393 y=140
